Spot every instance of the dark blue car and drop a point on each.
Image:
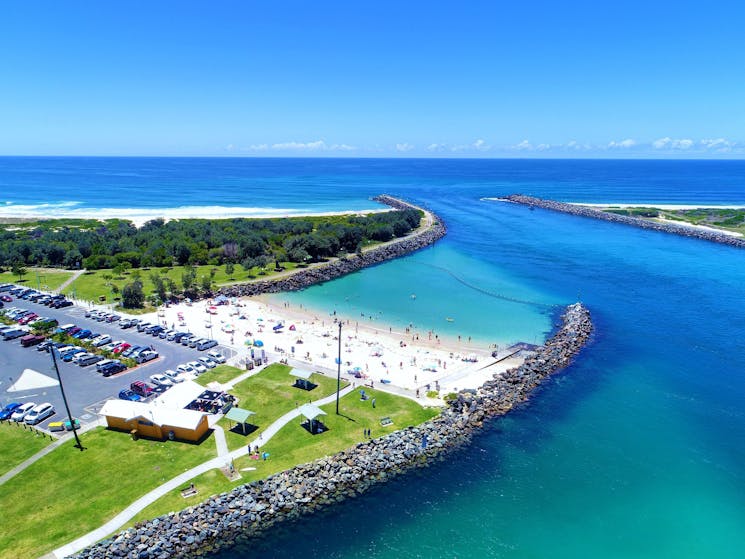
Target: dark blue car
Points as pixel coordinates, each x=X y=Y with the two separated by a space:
x=9 y=409
x=127 y=394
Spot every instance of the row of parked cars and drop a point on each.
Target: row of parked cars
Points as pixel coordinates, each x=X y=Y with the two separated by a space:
x=28 y=412
x=158 y=331
x=161 y=382
x=28 y=294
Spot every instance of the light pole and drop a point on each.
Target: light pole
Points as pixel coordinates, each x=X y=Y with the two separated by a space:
x=338 y=372
x=53 y=353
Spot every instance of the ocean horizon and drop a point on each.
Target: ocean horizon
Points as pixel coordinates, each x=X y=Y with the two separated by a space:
x=632 y=451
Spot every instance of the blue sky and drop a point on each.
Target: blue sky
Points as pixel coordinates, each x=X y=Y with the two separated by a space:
x=438 y=79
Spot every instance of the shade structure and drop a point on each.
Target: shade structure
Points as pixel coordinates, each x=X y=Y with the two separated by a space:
x=239 y=415
x=311 y=411
x=300 y=373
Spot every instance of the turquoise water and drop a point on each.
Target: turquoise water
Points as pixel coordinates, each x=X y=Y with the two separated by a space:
x=637 y=450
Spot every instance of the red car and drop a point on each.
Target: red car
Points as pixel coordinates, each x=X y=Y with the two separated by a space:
x=28 y=318
x=121 y=347
x=141 y=388
x=6 y=298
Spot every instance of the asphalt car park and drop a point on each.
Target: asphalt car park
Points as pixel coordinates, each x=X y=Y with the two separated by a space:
x=86 y=389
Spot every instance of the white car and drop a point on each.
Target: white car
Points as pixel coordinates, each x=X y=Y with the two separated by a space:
x=186 y=369
x=173 y=375
x=21 y=412
x=161 y=380
x=102 y=340
x=199 y=367
x=216 y=357
x=207 y=362
x=145 y=356
x=39 y=413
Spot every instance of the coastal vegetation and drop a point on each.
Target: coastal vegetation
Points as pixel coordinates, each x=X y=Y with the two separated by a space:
x=119 y=245
x=729 y=219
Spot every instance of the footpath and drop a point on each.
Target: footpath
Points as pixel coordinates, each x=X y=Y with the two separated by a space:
x=221 y=460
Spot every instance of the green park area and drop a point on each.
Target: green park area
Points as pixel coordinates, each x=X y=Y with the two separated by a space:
x=68 y=493
x=220 y=374
x=107 y=283
x=37 y=278
x=728 y=219
x=19 y=443
x=294 y=445
x=270 y=394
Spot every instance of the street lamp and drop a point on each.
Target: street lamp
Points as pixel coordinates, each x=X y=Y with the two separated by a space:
x=338 y=372
x=53 y=353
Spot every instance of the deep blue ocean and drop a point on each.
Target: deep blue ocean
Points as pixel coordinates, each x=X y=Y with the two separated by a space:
x=636 y=450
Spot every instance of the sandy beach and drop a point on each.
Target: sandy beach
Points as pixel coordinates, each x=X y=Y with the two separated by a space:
x=403 y=362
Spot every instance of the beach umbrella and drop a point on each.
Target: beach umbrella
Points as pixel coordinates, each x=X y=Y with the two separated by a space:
x=258 y=343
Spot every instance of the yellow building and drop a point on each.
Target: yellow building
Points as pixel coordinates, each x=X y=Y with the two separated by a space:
x=155 y=421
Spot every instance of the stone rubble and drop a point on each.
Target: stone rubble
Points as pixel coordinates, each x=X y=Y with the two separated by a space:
x=584 y=211
x=230 y=518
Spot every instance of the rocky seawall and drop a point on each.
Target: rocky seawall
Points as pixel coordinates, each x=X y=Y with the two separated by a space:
x=233 y=517
x=351 y=263
x=584 y=211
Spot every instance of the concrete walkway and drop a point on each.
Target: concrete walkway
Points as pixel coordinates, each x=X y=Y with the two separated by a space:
x=75 y=275
x=179 y=481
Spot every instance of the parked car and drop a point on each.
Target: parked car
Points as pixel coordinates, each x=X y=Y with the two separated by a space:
x=207 y=362
x=205 y=344
x=141 y=388
x=145 y=356
x=142 y=326
x=8 y=410
x=69 y=355
x=89 y=359
x=186 y=369
x=61 y=304
x=39 y=413
x=56 y=426
x=155 y=330
x=126 y=323
x=112 y=369
x=199 y=367
x=122 y=348
x=22 y=410
x=83 y=334
x=103 y=339
x=173 y=375
x=161 y=380
x=13 y=333
x=216 y=357
x=127 y=394
x=31 y=339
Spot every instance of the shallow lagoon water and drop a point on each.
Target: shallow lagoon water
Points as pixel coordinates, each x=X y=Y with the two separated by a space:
x=636 y=450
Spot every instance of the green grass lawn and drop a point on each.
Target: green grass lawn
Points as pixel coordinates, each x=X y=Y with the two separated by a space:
x=68 y=493
x=293 y=445
x=92 y=285
x=221 y=374
x=270 y=395
x=18 y=444
x=46 y=280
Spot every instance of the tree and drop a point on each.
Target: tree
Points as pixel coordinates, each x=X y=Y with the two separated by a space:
x=206 y=283
x=19 y=270
x=132 y=295
x=229 y=269
x=159 y=284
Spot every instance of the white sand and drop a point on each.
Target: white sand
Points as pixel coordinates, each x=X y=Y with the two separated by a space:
x=375 y=353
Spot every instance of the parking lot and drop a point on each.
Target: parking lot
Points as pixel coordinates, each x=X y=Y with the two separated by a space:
x=85 y=388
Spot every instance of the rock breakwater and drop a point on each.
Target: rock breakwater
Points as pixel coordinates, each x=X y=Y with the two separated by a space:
x=419 y=239
x=233 y=517
x=584 y=211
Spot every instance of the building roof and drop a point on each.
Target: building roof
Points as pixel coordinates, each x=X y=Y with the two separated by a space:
x=239 y=415
x=311 y=411
x=159 y=415
x=300 y=373
x=180 y=395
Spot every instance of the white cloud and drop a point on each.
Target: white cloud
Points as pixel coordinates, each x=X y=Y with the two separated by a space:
x=436 y=147
x=623 y=144
x=229 y=147
x=480 y=145
x=300 y=146
x=719 y=144
x=670 y=143
x=525 y=145
x=403 y=148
